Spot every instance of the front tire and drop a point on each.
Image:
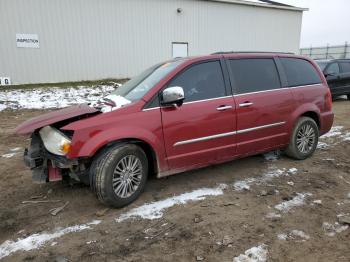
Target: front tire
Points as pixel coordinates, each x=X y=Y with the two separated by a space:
x=119 y=174
x=304 y=139
x=348 y=96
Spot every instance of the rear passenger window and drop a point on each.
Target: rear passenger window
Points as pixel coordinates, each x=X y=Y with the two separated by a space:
x=300 y=72
x=253 y=75
x=201 y=81
x=333 y=69
x=345 y=67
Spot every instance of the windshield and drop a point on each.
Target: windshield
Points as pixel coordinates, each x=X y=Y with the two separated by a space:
x=138 y=86
x=322 y=64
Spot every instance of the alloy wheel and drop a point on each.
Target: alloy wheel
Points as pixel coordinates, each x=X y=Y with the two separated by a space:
x=127 y=176
x=306 y=138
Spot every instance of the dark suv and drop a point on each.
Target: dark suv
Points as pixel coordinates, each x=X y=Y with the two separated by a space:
x=179 y=115
x=337 y=73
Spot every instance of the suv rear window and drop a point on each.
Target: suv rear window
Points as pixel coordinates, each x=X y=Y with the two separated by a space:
x=253 y=75
x=300 y=72
x=345 y=67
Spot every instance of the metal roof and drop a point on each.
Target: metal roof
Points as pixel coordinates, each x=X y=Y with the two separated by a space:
x=263 y=3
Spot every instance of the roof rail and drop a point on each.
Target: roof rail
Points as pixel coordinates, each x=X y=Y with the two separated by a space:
x=250 y=52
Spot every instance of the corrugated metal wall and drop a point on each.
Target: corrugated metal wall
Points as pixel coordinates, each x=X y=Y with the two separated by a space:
x=95 y=39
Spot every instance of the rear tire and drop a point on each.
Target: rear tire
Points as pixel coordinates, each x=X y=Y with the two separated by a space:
x=304 y=139
x=118 y=174
x=348 y=96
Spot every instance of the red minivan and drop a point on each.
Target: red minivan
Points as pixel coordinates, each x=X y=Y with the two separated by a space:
x=179 y=115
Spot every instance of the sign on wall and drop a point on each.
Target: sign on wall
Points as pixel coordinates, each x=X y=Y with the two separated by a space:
x=5 y=81
x=27 y=40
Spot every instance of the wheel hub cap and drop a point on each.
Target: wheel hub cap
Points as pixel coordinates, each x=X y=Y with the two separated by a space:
x=127 y=176
x=306 y=138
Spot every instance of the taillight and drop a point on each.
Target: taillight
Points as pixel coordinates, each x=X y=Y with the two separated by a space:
x=328 y=100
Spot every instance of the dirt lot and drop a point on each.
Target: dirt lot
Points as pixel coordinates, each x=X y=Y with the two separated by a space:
x=282 y=209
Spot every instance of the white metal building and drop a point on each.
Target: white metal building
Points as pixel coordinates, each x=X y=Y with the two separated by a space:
x=71 y=40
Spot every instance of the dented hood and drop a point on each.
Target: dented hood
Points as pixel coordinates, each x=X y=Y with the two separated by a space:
x=32 y=124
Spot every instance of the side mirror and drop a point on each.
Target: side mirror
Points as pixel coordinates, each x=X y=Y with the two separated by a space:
x=329 y=74
x=173 y=95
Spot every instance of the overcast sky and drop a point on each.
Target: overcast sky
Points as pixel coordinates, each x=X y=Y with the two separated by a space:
x=327 y=21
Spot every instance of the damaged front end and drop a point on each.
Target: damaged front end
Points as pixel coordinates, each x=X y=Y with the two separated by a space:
x=49 y=146
x=53 y=166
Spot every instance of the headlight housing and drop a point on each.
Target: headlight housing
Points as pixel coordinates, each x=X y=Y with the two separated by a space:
x=54 y=141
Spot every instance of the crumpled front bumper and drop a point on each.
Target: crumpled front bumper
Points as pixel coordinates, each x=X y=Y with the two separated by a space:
x=44 y=165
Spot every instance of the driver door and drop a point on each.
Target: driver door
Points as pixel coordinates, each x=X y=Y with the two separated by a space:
x=202 y=130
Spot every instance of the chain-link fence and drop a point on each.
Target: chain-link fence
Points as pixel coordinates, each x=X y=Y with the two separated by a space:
x=327 y=52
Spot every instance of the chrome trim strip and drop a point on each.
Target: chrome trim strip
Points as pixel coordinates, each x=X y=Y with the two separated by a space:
x=259 y=127
x=149 y=109
x=277 y=89
x=192 y=102
x=204 y=100
x=264 y=91
x=205 y=138
x=257 y=92
x=305 y=85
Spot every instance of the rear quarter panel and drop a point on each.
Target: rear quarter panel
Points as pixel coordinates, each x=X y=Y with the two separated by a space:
x=312 y=98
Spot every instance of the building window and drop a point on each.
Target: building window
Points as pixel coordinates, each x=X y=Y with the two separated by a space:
x=179 y=49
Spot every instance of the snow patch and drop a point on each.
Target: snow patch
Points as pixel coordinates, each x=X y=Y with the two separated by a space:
x=332 y=229
x=346 y=136
x=297 y=235
x=9 y=155
x=39 y=239
x=272 y=156
x=110 y=103
x=296 y=201
x=244 y=184
x=273 y=215
x=292 y=171
x=254 y=254
x=156 y=209
x=16 y=149
x=282 y=237
x=42 y=98
x=322 y=145
x=271 y=174
x=335 y=131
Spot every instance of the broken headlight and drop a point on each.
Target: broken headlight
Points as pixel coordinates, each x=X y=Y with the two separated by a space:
x=55 y=141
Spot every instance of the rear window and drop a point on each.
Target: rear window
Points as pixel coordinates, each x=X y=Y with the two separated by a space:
x=253 y=75
x=345 y=67
x=322 y=64
x=300 y=72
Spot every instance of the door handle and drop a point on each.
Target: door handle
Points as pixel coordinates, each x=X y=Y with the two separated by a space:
x=224 y=107
x=246 y=104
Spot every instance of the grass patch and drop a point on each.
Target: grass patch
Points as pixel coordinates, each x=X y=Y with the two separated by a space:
x=90 y=83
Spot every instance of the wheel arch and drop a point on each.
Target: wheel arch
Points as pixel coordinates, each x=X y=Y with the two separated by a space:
x=153 y=159
x=313 y=115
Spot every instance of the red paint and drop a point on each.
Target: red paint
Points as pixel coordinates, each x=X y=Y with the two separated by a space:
x=162 y=128
x=54 y=173
x=32 y=124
